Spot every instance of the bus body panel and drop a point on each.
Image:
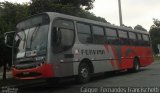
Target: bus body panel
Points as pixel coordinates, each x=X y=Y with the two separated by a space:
x=62 y=66
x=115 y=58
x=97 y=54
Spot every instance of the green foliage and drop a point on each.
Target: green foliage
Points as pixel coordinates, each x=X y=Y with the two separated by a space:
x=88 y=15
x=10 y=14
x=127 y=26
x=156 y=58
x=155 y=35
x=70 y=7
x=139 y=27
x=156 y=22
x=86 y=4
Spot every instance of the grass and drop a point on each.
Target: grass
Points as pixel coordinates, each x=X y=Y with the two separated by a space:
x=156 y=57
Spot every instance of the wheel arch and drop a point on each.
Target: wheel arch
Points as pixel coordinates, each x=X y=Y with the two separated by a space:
x=89 y=62
x=138 y=59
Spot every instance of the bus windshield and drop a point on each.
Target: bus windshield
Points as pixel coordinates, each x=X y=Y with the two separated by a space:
x=32 y=37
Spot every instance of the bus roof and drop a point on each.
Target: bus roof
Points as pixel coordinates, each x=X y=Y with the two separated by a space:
x=54 y=14
x=93 y=22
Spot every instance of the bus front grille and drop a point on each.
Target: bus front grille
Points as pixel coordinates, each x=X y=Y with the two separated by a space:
x=30 y=74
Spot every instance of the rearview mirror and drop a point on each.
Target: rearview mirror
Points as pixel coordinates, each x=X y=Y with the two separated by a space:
x=9 y=37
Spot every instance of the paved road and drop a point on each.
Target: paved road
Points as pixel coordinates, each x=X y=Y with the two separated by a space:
x=147 y=77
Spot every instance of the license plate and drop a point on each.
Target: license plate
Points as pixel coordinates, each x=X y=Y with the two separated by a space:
x=25 y=73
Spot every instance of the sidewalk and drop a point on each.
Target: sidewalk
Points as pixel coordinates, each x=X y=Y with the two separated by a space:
x=8 y=75
x=8 y=78
x=12 y=82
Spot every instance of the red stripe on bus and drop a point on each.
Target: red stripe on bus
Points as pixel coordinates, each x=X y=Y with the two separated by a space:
x=45 y=71
x=115 y=57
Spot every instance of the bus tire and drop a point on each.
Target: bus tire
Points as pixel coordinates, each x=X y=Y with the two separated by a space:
x=136 y=66
x=83 y=73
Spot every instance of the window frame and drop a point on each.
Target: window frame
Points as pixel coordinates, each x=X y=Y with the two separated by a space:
x=146 y=42
x=77 y=22
x=123 y=38
x=74 y=37
x=106 y=36
x=94 y=42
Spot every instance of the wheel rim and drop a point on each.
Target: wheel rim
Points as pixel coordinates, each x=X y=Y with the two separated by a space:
x=84 y=72
x=137 y=66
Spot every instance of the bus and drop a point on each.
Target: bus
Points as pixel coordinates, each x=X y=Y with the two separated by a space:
x=54 y=45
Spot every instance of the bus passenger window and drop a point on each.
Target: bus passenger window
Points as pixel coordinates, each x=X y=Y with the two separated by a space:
x=140 y=40
x=146 y=40
x=62 y=35
x=123 y=37
x=84 y=33
x=132 y=38
x=111 y=36
x=98 y=35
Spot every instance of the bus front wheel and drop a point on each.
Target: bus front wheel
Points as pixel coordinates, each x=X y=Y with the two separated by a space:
x=83 y=73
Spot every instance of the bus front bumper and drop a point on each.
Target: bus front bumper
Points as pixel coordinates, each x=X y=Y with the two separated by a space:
x=44 y=71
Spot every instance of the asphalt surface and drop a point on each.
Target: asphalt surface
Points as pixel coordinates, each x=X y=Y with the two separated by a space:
x=146 y=77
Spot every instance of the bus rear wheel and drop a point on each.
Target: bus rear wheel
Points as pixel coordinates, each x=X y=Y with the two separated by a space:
x=83 y=73
x=136 y=66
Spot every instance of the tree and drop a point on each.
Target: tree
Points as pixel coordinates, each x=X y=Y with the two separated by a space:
x=156 y=22
x=40 y=5
x=139 y=27
x=73 y=6
x=10 y=14
x=88 y=4
x=77 y=8
x=127 y=26
x=155 y=35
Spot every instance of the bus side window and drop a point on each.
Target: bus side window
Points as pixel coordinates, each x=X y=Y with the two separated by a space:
x=62 y=35
x=139 y=41
x=123 y=37
x=84 y=33
x=111 y=36
x=146 y=40
x=98 y=35
x=132 y=38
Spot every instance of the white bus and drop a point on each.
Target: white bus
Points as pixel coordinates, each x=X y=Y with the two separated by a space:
x=54 y=45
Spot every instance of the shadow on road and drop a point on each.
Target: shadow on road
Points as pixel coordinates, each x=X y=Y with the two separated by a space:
x=70 y=84
x=112 y=74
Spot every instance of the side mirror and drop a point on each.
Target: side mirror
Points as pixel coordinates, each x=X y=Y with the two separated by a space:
x=9 y=38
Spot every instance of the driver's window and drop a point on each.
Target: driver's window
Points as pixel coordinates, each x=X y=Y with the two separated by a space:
x=62 y=35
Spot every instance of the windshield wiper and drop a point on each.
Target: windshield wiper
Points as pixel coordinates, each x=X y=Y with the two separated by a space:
x=34 y=34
